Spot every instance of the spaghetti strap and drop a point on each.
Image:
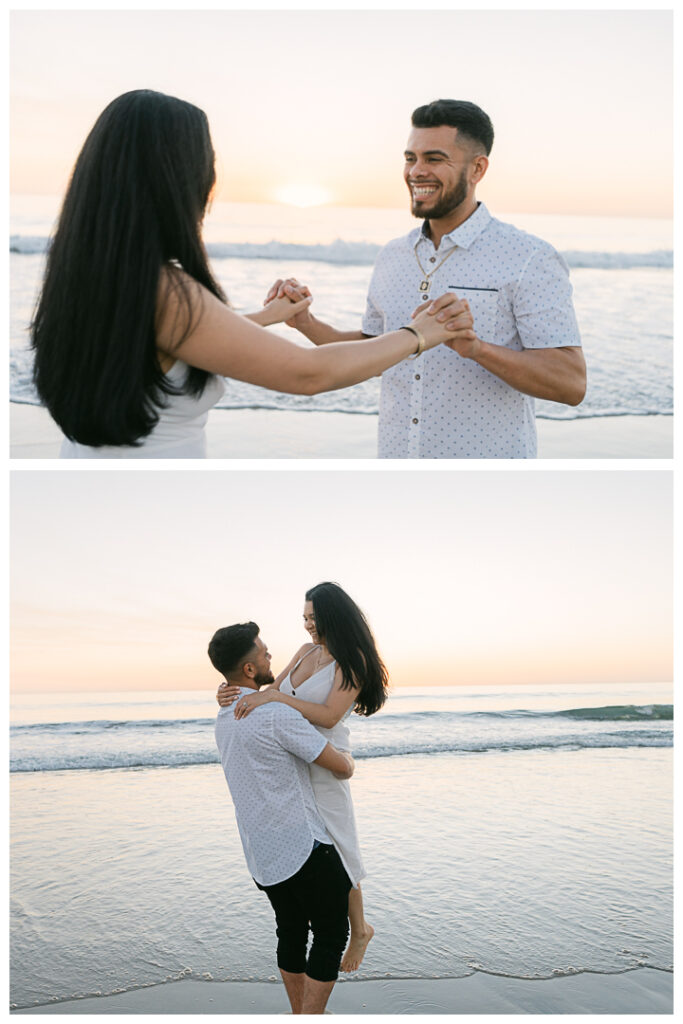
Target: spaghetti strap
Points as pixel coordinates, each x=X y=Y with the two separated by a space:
x=332 y=795
x=295 y=667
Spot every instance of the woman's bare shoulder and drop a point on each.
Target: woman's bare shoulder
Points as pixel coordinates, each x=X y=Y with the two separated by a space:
x=294 y=660
x=301 y=654
x=180 y=300
x=304 y=649
x=175 y=282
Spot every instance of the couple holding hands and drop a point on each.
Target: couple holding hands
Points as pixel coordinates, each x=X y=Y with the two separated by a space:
x=133 y=335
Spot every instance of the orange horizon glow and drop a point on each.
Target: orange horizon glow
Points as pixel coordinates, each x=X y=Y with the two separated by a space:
x=557 y=150
x=389 y=192
x=120 y=587
x=134 y=668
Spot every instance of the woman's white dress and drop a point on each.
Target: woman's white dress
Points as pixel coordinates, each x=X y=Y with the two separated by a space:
x=179 y=434
x=332 y=795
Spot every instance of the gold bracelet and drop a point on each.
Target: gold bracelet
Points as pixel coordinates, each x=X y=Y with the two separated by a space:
x=420 y=341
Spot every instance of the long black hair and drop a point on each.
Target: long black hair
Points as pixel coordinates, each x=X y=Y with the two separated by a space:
x=341 y=624
x=135 y=203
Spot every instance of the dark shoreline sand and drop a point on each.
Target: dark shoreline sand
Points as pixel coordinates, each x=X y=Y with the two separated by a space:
x=263 y=434
x=641 y=991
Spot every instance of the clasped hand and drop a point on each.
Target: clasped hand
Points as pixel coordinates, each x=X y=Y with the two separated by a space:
x=298 y=296
x=452 y=314
x=280 y=308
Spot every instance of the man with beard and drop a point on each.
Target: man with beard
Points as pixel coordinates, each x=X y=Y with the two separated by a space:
x=475 y=398
x=265 y=757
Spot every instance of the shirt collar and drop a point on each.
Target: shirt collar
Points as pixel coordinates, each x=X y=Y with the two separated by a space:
x=467 y=232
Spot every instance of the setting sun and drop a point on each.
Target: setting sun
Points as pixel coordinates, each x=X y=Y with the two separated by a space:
x=302 y=195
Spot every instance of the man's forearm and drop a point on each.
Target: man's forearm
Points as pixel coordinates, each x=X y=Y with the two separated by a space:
x=322 y=334
x=555 y=374
x=349 y=769
x=336 y=761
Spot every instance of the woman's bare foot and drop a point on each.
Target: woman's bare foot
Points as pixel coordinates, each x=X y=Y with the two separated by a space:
x=355 y=951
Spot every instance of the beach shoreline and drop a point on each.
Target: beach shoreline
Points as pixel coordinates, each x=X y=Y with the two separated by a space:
x=642 y=991
x=147 y=906
x=266 y=433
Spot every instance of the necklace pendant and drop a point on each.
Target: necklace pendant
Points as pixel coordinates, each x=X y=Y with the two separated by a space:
x=424 y=285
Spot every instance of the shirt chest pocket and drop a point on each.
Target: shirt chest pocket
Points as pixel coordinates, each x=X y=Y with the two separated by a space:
x=483 y=303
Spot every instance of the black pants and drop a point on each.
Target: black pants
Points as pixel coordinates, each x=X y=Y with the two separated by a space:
x=317 y=895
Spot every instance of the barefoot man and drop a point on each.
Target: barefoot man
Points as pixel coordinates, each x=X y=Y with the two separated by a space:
x=265 y=757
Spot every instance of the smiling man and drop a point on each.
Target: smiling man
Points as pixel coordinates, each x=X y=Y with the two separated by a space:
x=474 y=399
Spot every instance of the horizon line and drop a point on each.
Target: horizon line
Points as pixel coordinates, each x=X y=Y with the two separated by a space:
x=396 y=686
x=398 y=209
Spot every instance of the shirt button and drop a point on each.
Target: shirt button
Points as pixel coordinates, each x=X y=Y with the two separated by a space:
x=415 y=421
x=432 y=259
x=417 y=376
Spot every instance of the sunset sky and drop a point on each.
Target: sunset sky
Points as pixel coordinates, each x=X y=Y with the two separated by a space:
x=314 y=105
x=466 y=577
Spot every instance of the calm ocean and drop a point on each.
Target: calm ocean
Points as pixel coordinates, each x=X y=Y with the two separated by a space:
x=520 y=831
x=621 y=271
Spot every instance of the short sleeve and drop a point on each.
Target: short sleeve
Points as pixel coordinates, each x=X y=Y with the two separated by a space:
x=542 y=304
x=295 y=734
x=373 y=320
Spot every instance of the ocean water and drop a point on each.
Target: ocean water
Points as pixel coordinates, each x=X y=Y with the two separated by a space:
x=521 y=831
x=622 y=272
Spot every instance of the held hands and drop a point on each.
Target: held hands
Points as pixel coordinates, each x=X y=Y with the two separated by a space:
x=448 y=320
x=295 y=293
x=279 y=308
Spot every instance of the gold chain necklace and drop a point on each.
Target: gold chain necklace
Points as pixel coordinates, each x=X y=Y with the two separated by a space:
x=424 y=284
x=319 y=658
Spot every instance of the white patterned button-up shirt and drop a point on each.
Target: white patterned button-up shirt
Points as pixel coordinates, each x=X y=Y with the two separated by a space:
x=265 y=758
x=441 y=406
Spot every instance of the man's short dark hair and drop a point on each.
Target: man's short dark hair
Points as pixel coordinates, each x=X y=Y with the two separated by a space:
x=468 y=118
x=230 y=645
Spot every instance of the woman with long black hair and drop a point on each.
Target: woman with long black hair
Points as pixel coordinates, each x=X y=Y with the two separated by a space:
x=132 y=333
x=340 y=671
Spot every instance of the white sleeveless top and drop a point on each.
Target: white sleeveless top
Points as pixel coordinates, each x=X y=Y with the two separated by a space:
x=179 y=434
x=332 y=795
x=316 y=689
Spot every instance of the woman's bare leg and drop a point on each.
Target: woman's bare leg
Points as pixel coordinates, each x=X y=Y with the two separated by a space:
x=361 y=932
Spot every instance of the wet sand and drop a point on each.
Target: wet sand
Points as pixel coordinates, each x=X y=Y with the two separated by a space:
x=263 y=434
x=641 y=991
